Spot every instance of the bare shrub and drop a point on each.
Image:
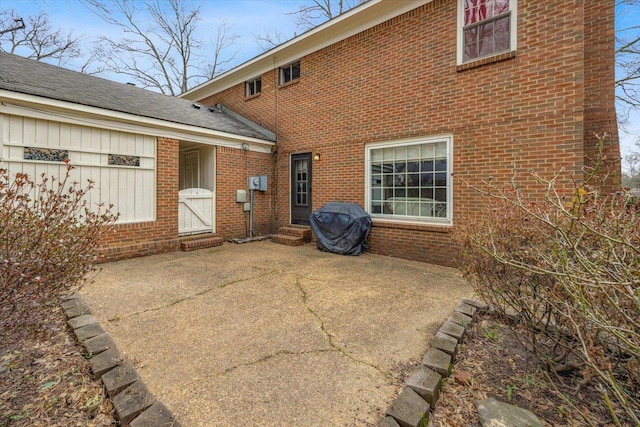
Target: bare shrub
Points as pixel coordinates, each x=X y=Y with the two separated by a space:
x=566 y=264
x=48 y=243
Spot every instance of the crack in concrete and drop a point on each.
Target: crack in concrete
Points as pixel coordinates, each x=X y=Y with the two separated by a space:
x=272 y=356
x=190 y=297
x=330 y=337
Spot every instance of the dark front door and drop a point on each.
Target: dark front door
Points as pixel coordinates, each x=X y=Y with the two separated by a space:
x=300 y=188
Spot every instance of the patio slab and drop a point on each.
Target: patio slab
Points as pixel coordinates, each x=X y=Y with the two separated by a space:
x=266 y=334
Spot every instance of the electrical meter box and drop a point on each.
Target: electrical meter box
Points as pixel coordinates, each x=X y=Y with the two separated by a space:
x=241 y=196
x=258 y=183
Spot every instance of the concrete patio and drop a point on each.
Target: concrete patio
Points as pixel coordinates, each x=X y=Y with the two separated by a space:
x=264 y=334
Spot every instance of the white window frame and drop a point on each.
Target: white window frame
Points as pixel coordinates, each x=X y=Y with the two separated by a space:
x=446 y=221
x=251 y=84
x=290 y=67
x=513 y=33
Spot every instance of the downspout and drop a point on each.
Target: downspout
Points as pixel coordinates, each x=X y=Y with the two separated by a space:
x=276 y=154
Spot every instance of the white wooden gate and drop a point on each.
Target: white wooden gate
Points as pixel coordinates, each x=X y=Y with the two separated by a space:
x=196 y=211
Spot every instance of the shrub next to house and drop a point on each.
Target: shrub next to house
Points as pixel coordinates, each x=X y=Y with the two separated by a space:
x=49 y=236
x=566 y=264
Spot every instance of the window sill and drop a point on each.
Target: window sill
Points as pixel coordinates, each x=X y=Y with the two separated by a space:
x=254 y=96
x=290 y=83
x=486 y=60
x=434 y=228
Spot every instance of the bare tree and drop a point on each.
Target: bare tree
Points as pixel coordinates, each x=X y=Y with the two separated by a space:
x=223 y=40
x=37 y=39
x=269 y=39
x=318 y=11
x=627 y=59
x=306 y=17
x=631 y=168
x=164 y=54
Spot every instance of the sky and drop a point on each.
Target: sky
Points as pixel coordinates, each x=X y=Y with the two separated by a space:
x=249 y=17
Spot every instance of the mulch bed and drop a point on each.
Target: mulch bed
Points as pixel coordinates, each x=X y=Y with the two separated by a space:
x=492 y=362
x=48 y=381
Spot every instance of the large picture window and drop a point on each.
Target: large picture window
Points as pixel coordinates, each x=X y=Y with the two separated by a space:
x=410 y=180
x=487 y=28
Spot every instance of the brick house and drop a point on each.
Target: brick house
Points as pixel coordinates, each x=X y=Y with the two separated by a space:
x=152 y=156
x=381 y=105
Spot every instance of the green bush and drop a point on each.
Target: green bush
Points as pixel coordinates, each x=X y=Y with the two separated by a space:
x=48 y=243
x=565 y=264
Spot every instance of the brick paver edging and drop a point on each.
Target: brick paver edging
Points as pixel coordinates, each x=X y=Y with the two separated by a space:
x=422 y=388
x=134 y=404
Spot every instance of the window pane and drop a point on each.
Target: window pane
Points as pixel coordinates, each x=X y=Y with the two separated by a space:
x=376 y=155
x=426 y=179
x=426 y=209
x=501 y=34
x=426 y=193
x=441 y=165
x=426 y=166
x=413 y=180
x=413 y=152
x=413 y=167
x=441 y=179
x=258 y=86
x=376 y=207
x=426 y=151
x=400 y=153
x=295 y=71
x=501 y=6
x=400 y=167
x=400 y=193
x=441 y=194
x=376 y=180
x=387 y=154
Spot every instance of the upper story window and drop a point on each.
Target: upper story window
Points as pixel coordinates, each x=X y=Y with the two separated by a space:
x=486 y=28
x=253 y=87
x=410 y=181
x=290 y=72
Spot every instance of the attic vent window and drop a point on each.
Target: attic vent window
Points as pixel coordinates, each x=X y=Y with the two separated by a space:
x=122 y=160
x=45 y=154
x=253 y=87
x=290 y=72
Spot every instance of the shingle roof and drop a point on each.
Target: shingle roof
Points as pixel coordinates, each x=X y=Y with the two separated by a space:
x=32 y=77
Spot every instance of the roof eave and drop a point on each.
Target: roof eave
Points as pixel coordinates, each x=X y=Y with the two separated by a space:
x=356 y=20
x=163 y=128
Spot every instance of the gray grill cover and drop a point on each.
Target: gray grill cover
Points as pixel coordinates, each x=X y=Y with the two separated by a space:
x=341 y=228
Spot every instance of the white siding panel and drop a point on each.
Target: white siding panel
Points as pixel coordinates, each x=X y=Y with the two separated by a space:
x=41 y=133
x=131 y=189
x=54 y=134
x=29 y=132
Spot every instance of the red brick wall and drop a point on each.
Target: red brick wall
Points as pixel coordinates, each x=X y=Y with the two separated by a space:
x=233 y=169
x=145 y=238
x=399 y=80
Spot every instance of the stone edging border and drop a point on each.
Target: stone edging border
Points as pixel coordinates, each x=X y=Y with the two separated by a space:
x=135 y=406
x=422 y=388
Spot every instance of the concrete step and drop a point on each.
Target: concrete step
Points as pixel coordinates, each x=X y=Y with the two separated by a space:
x=200 y=241
x=285 y=239
x=302 y=231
